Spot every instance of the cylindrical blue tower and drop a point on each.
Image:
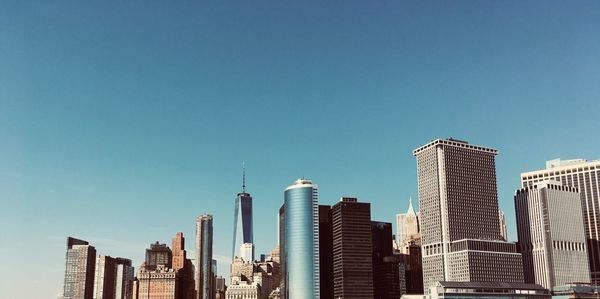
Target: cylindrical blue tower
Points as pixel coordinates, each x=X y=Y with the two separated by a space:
x=301 y=240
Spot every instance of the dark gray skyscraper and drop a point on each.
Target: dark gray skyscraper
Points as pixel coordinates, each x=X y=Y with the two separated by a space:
x=243 y=218
x=352 y=249
x=460 y=226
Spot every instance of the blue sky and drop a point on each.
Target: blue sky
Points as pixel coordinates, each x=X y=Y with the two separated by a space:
x=122 y=121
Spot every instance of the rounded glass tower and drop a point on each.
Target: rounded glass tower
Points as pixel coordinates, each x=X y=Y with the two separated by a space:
x=302 y=240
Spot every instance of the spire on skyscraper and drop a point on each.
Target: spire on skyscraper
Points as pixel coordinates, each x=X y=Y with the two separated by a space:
x=410 y=207
x=243 y=177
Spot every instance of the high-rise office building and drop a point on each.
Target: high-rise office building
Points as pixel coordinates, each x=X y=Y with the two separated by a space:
x=124 y=281
x=503 y=231
x=106 y=277
x=301 y=246
x=166 y=273
x=352 y=249
x=281 y=239
x=243 y=220
x=414 y=270
x=551 y=234
x=385 y=267
x=156 y=278
x=184 y=268
x=204 y=246
x=460 y=229
x=407 y=227
x=325 y=252
x=80 y=268
x=585 y=176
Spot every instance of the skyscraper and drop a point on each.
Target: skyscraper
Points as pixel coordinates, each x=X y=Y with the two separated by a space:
x=585 y=176
x=204 y=247
x=106 y=277
x=80 y=268
x=124 y=281
x=503 y=231
x=407 y=227
x=352 y=249
x=156 y=278
x=243 y=217
x=301 y=253
x=325 y=252
x=282 y=258
x=183 y=266
x=551 y=234
x=459 y=215
x=386 y=280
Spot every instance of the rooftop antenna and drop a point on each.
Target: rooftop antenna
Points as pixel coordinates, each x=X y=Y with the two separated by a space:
x=243 y=177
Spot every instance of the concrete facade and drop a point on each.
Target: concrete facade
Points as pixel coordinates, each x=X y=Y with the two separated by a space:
x=551 y=234
x=459 y=221
x=585 y=176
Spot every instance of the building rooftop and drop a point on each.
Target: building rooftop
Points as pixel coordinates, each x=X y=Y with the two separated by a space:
x=301 y=182
x=456 y=143
x=490 y=285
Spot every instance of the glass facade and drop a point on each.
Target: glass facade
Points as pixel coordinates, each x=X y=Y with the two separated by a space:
x=302 y=240
x=204 y=244
x=243 y=217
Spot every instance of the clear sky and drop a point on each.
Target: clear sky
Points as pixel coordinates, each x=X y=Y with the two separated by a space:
x=120 y=122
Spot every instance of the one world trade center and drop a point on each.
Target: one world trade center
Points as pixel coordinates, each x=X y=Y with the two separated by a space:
x=242 y=222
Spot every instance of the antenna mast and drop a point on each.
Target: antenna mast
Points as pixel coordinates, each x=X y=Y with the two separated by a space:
x=243 y=177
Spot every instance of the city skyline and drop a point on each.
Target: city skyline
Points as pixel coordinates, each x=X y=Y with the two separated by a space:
x=115 y=116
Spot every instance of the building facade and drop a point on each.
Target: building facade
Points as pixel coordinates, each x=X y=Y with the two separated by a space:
x=503 y=230
x=325 y=252
x=246 y=290
x=281 y=239
x=156 y=279
x=80 y=268
x=458 y=203
x=204 y=246
x=407 y=227
x=183 y=267
x=492 y=290
x=106 y=277
x=124 y=281
x=301 y=246
x=551 y=234
x=386 y=274
x=247 y=252
x=158 y=282
x=585 y=176
x=352 y=249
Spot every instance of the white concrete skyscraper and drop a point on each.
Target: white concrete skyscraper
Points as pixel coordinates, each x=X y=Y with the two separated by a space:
x=585 y=176
x=407 y=227
x=551 y=235
x=459 y=221
x=503 y=231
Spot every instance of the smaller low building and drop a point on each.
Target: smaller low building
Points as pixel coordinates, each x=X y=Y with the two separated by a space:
x=576 y=290
x=496 y=290
x=244 y=290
